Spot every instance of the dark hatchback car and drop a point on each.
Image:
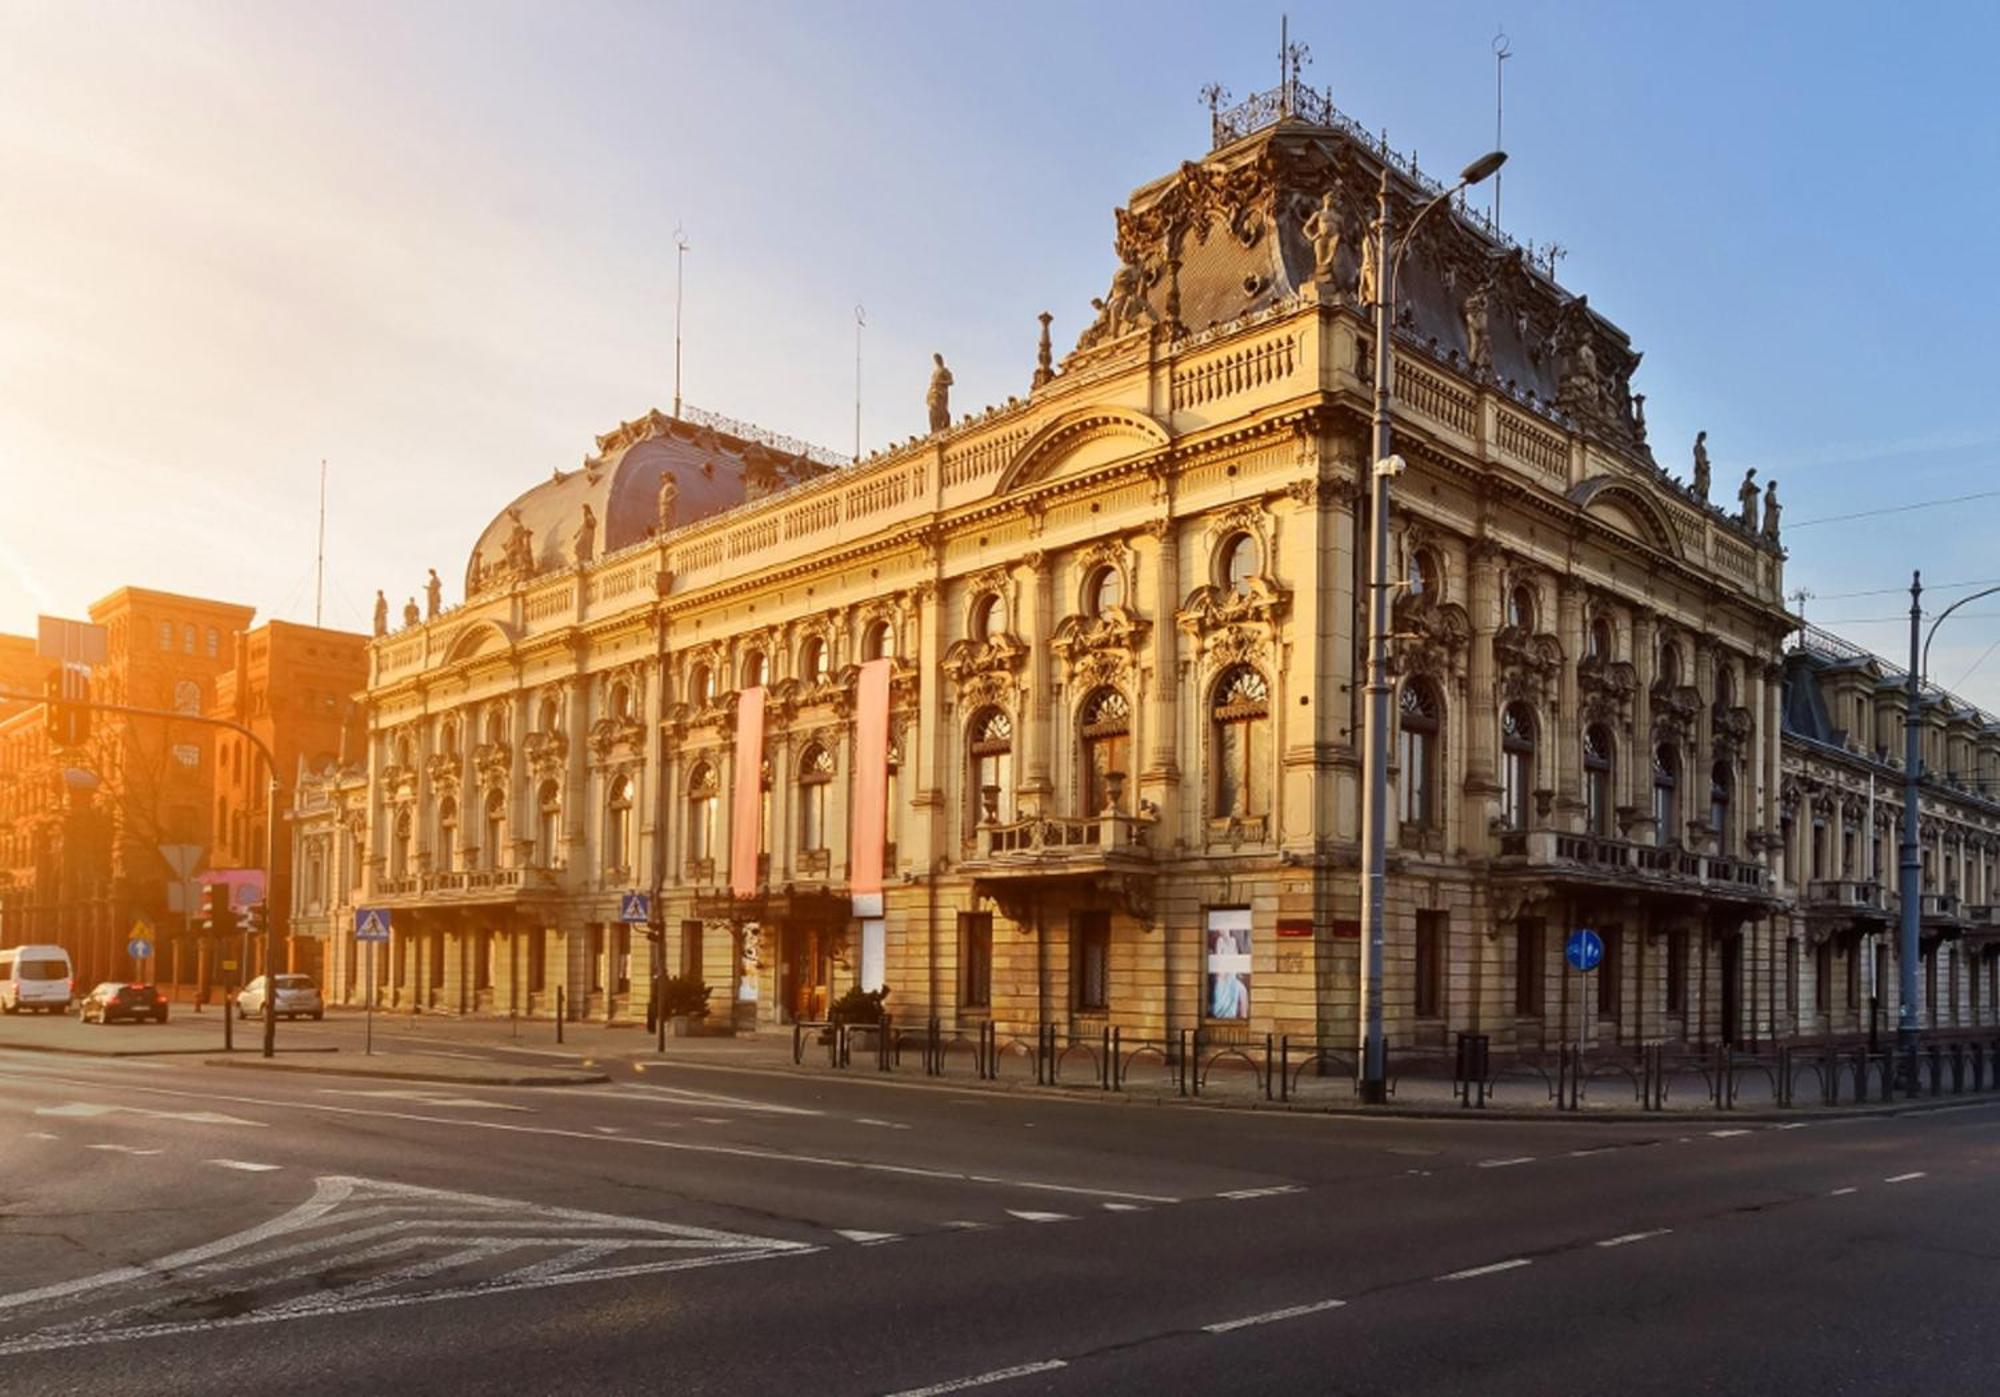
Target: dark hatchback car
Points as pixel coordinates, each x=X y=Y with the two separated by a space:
x=112 y=1000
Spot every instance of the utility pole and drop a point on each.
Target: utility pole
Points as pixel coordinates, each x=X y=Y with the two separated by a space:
x=1911 y=863
x=680 y=290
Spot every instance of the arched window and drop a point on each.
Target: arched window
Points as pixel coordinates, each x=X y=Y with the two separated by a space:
x=1240 y=718
x=1597 y=788
x=214 y=642
x=1418 y=736
x=890 y=802
x=876 y=642
x=1425 y=578
x=987 y=617
x=1725 y=689
x=815 y=781
x=187 y=638
x=813 y=665
x=701 y=685
x=1670 y=665
x=1721 y=786
x=990 y=769
x=404 y=758
x=448 y=738
x=753 y=670
x=496 y=723
x=618 y=824
x=447 y=835
x=399 y=847
x=1103 y=590
x=496 y=829
x=166 y=635
x=1521 y=608
x=621 y=702
x=548 y=825
x=1105 y=726
x=1517 y=762
x=1666 y=793
x=1599 y=642
x=1237 y=563
x=704 y=790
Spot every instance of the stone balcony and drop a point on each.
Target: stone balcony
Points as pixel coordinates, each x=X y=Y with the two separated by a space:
x=464 y=885
x=1619 y=863
x=1080 y=856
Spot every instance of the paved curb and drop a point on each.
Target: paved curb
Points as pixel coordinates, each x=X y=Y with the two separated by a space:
x=1088 y=1096
x=542 y=1078
x=66 y=1050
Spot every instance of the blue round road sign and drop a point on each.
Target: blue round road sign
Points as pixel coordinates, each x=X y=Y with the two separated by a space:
x=139 y=947
x=1584 y=950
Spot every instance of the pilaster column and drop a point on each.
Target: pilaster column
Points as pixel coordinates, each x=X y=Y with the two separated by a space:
x=1768 y=743
x=1637 y=783
x=1035 y=731
x=1567 y=729
x=1482 y=718
x=925 y=777
x=1162 y=765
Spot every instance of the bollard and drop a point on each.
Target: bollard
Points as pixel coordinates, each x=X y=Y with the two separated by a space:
x=1267 y=1067
x=228 y=1018
x=1285 y=1067
x=1117 y=1058
x=559 y=1013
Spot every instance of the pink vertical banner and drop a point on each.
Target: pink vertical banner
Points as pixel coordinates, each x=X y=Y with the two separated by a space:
x=871 y=778
x=746 y=811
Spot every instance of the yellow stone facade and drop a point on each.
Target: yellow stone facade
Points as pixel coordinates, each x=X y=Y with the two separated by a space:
x=1124 y=614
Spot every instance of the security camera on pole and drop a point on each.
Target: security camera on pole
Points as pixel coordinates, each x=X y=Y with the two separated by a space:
x=1373 y=1064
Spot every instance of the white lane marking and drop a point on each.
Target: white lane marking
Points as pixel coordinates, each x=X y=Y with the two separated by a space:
x=1791 y=1125
x=866 y=1238
x=977 y=1226
x=1726 y=1134
x=1842 y=1192
x=1903 y=1178
x=121 y=1149
x=863 y=1166
x=246 y=1165
x=1626 y=1239
x=91 y=1109
x=1595 y=1149
x=1237 y=1195
x=425 y=1098
x=1026 y=1216
x=1121 y=1208
x=982 y=1379
x=886 y=1125
x=608 y=1129
x=711 y=1120
x=1272 y=1317
x=41 y=1135
x=713 y=1100
x=1506 y=1163
x=1475 y=1271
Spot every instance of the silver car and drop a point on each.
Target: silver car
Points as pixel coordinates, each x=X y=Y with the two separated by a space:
x=298 y=997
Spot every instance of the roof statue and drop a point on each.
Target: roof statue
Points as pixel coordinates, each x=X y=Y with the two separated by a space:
x=433 y=596
x=1772 y=509
x=381 y=613
x=667 y=504
x=411 y=616
x=938 y=398
x=1746 y=498
x=1701 y=466
x=1045 y=370
x=586 y=537
x=1324 y=228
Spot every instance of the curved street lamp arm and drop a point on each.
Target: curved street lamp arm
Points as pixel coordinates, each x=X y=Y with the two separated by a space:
x=1924 y=668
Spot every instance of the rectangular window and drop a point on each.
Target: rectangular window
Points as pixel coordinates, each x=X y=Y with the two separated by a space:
x=437 y=960
x=1853 y=959
x=975 y=959
x=1227 y=938
x=1090 y=953
x=594 y=940
x=691 y=949
x=1611 y=976
x=1677 y=970
x=482 y=960
x=1528 y=986
x=1930 y=986
x=538 y=961
x=1822 y=977
x=1430 y=964
x=621 y=965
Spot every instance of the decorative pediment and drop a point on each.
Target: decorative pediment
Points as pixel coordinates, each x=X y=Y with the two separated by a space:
x=1432 y=637
x=1674 y=709
x=546 y=753
x=1000 y=654
x=1117 y=629
x=1732 y=729
x=1261 y=602
x=1080 y=439
x=616 y=736
x=441 y=771
x=1623 y=506
x=399 y=780
x=480 y=637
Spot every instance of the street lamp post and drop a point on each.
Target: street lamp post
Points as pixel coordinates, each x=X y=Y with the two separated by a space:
x=1911 y=910
x=1373 y=1073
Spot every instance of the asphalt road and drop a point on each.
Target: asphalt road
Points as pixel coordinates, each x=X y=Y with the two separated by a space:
x=166 y=1226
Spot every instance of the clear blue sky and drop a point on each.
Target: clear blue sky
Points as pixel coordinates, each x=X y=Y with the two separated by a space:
x=432 y=244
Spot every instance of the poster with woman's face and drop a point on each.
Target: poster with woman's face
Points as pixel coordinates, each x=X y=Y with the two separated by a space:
x=1228 y=963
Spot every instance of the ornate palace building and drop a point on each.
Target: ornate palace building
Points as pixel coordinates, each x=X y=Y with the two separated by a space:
x=1841 y=820
x=1052 y=716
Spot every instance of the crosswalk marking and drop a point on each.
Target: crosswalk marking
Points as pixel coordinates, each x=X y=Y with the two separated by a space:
x=1026 y=1216
x=245 y=1165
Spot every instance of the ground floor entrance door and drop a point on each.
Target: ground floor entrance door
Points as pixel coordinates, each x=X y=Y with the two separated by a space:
x=805 y=964
x=1732 y=989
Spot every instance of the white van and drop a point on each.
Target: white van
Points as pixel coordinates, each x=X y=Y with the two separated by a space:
x=35 y=977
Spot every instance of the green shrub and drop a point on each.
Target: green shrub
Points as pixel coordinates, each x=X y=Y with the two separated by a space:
x=684 y=996
x=859 y=1006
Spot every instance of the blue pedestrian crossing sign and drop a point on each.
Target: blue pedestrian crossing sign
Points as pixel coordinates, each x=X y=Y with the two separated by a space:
x=1584 y=950
x=635 y=908
x=139 y=948
x=371 y=924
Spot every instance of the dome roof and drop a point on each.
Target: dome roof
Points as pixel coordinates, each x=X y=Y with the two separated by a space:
x=713 y=471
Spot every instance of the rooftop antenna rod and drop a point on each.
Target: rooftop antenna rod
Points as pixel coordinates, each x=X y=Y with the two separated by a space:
x=860 y=320
x=1501 y=53
x=1284 y=63
x=680 y=287
x=319 y=561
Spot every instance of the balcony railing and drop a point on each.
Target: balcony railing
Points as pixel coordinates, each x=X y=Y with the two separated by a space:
x=1547 y=848
x=1088 y=839
x=1861 y=896
x=1940 y=905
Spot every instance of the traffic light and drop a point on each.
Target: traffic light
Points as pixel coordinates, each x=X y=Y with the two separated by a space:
x=256 y=920
x=63 y=693
x=217 y=918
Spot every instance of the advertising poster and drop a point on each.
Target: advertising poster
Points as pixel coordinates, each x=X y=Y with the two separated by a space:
x=1228 y=934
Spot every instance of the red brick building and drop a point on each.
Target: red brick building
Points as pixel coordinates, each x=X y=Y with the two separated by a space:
x=293 y=686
